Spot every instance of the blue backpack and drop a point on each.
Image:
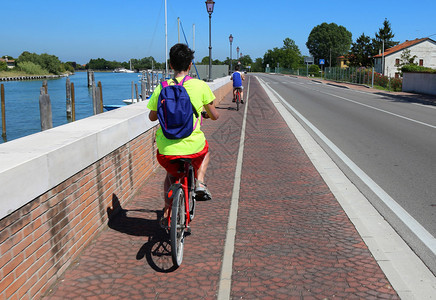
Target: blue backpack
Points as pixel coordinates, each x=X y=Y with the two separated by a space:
x=175 y=110
x=237 y=79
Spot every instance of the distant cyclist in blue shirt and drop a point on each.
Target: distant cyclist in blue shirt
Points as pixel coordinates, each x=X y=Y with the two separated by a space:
x=237 y=78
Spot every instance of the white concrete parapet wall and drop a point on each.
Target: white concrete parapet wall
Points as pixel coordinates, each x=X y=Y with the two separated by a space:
x=32 y=165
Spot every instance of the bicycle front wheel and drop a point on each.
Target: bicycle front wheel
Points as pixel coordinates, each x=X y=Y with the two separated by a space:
x=177 y=230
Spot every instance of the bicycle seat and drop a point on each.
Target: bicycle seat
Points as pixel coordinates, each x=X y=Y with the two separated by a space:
x=181 y=160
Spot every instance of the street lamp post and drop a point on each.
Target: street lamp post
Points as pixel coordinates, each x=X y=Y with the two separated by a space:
x=231 y=41
x=209 y=7
x=237 y=52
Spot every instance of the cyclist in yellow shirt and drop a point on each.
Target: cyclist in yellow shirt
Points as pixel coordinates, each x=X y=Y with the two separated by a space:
x=194 y=146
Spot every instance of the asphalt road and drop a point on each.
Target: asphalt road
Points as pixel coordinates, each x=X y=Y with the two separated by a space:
x=392 y=141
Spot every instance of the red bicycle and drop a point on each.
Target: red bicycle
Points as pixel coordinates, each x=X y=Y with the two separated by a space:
x=237 y=97
x=182 y=208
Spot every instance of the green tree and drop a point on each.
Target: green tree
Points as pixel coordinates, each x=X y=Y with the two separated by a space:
x=31 y=68
x=103 y=64
x=288 y=56
x=9 y=57
x=205 y=60
x=406 y=59
x=245 y=61
x=272 y=57
x=292 y=58
x=383 y=36
x=47 y=62
x=70 y=66
x=51 y=63
x=314 y=70
x=361 y=52
x=258 y=65
x=144 y=63
x=329 y=40
x=27 y=56
x=3 y=66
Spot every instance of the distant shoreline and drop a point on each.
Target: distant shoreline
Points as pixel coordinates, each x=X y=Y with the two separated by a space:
x=31 y=77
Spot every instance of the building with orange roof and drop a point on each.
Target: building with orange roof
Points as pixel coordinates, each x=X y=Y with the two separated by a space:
x=10 y=62
x=424 y=49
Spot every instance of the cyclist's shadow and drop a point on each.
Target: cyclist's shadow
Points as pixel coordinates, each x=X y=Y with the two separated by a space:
x=227 y=108
x=157 y=250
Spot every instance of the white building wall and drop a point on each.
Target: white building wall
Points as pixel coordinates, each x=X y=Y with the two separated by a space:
x=425 y=50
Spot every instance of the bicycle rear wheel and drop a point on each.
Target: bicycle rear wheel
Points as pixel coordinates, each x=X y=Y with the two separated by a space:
x=177 y=230
x=238 y=99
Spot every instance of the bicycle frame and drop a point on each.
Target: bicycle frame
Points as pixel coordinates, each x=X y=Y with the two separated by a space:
x=237 y=97
x=182 y=182
x=237 y=94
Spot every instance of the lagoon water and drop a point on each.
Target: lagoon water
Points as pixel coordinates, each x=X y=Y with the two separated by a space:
x=22 y=99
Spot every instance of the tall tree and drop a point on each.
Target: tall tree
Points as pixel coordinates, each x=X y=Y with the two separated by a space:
x=292 y=58
x=288 y=56
x=406 y=59
x=144 y=63
x=258 y=65
x=383 y=36
x=361 y=52
x=329 y=40
x=46 y=61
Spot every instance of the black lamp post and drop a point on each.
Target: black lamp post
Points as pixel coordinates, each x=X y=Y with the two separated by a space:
x=231 y=41
x=237 y=52
x=209 y=7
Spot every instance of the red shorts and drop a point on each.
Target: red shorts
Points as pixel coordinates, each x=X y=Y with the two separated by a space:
x=197 y=159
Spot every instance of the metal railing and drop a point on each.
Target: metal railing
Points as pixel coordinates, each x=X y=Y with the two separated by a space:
x=363 y=76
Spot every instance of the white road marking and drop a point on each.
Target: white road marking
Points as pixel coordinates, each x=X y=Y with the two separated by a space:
x=225 y=283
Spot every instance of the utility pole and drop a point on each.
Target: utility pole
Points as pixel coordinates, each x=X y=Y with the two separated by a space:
x=383 y=58
x=166 y=42
x=193 y=37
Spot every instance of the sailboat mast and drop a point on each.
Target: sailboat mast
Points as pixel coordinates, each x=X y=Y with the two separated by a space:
x=166 y=42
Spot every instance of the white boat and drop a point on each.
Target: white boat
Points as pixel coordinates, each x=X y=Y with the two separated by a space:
x=130 y=101
x=123 y=70
x=112 y=107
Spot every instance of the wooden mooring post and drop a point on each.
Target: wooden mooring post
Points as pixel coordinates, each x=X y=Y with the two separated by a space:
x=97 y=100
x=100 y=89
x=45 y=110
x=45 y=86
x=152 y=81
x=137 y=95
x=3 y=112
x=132 y=91
x=91 y=78
x=149 y=84
x=143 y=90
x=73 y=104
x=68 y=103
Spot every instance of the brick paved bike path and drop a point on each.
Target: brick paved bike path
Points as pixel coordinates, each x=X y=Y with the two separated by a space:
x=293 y=240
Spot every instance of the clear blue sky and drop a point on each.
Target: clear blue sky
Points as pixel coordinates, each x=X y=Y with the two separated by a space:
x=122 y=29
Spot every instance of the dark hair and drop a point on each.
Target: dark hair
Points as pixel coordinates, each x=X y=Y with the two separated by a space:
x=237 y=67
x=181 y=57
